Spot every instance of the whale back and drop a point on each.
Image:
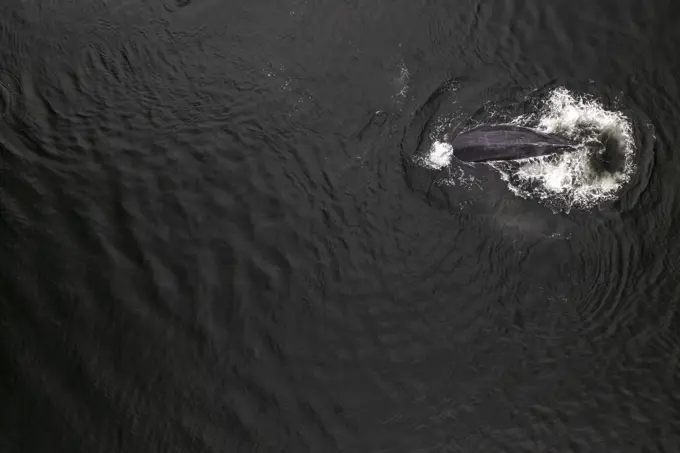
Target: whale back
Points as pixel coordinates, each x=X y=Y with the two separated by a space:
x=504 y=142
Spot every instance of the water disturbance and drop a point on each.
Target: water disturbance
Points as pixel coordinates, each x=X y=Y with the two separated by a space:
x=240 y=227
x=597 y=172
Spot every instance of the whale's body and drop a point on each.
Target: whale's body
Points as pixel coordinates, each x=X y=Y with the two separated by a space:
x=506 y=142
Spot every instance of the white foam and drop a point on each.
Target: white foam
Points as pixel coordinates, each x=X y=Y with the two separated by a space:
x=570 y=180
x=439 y=155
x=401 y=81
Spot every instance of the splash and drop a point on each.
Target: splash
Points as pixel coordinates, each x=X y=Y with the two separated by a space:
x=438 y=157
x=596 y=172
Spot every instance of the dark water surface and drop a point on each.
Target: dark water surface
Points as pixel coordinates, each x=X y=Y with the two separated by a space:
x=213 y=239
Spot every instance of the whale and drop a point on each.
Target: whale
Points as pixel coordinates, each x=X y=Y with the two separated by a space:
x=493 y=142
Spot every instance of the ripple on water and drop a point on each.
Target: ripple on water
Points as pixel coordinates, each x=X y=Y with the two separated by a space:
x=11 y=97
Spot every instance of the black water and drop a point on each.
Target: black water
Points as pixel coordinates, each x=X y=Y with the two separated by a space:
x=212 y=240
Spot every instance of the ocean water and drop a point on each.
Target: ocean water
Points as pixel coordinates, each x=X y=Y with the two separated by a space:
x=240 y=227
